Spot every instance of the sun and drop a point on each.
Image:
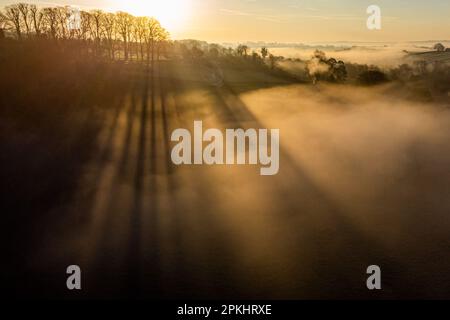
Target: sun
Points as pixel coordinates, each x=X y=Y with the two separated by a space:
x=172 y=14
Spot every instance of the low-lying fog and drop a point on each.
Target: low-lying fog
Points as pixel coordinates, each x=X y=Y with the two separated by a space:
x=384 y=160
x=380 y=54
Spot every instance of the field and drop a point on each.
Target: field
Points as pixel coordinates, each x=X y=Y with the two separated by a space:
x=87 y=179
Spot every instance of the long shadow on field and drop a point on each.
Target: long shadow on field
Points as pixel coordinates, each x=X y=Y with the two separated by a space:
x=309 y=200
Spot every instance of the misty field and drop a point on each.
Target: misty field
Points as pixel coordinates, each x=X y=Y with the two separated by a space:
x=87 y=176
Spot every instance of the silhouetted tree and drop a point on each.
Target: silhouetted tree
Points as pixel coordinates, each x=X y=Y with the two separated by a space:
x=242 y=50
x=439 y=47
x=82 y=33
x=403 y=72
x=109 y=25
x=24 y=9
x=152 y=31
x=62 y=17
x=13 y=18
x=264 y=52
x=95 y=31
x=139 y=32
x=3 y=25
x=51 y=22
x=124 y=21
x=372 y=77
x=163 y=36
x=37 y=17
x=321 y=68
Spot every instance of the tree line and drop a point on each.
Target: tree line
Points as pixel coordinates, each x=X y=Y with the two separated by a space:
x=117 y=35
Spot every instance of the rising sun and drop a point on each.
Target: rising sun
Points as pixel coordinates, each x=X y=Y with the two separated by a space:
x=171 y=13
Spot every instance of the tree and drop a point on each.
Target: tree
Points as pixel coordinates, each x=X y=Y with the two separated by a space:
x=82 y=32
x=372 y=77
x=255 y=56
x=24 y=9
x=242 y=50
x=273 y=61
x=214 y=51
x=338 y=71
x=439 y=47
x=106 y=31
x=95 y=25
x=51 y=21
x=3 y=24
x=264 y=52
x=62 y=18
x=13 y=17
x=139 y=31
x=124 y=27
x=109 y=26
x=95 y=28
x=197 y=53
x=37 y=17
x=152 y=33
x=321 y=68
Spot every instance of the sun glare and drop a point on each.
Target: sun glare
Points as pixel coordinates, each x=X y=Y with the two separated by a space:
x=171 y=13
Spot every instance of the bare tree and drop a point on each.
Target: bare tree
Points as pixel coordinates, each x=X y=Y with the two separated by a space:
x=37 y=17
x=13 y=17
x=51 y=21
x=62 y=17
x=110 y=31
x=124 y=26
x=95 y=28
x=24 y=9
x=85 y=26
x=162 y=37
x=140 y=31
x=151 y=37
x=140 y=36
x=96 y=24
x=133 y=37
x=3 y=25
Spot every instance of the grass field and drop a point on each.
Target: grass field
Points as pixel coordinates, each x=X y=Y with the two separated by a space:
x=363 y=179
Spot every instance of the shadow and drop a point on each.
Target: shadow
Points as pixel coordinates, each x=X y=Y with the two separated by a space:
x=165 y=125
x=129 y=131
x=310 y=200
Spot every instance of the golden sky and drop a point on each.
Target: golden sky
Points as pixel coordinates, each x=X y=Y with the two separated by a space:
x=286 y=20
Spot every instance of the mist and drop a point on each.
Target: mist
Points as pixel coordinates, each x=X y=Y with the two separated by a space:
x=382 y=55
x=383 y=159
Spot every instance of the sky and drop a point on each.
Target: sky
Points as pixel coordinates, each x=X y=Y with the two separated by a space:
x=285 y=20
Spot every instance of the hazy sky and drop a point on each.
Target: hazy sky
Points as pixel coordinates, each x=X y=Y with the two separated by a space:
x=287 y=20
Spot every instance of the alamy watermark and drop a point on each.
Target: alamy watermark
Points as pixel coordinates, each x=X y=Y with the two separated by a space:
x=374 y=280
x=74 y=21
x=233 y=146
x=374 y=19
x=74 y=280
